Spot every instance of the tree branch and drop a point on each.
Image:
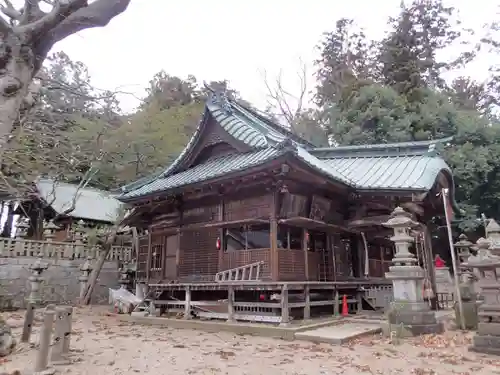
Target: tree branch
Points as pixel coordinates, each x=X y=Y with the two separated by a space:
x=10 y=11
x=60 y=11
x=97 y=14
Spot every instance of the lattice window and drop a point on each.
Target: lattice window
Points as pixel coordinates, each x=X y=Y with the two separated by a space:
x=156 y=257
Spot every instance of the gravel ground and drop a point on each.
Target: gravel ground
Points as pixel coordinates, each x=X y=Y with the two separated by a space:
x=102 y=345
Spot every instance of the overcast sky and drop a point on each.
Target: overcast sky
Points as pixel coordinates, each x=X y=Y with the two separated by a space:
x=227 y=39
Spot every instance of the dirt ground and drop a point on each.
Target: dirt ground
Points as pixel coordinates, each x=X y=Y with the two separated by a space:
x=101 y=345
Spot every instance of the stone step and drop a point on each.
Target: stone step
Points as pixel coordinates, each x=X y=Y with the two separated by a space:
x=339 y=334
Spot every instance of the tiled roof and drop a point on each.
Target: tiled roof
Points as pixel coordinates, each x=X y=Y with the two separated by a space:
x=393 y=172
x=206 y=171
x=90 y=203
x=401 y=166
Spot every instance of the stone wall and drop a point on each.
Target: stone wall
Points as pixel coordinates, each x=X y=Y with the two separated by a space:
x=60 y=284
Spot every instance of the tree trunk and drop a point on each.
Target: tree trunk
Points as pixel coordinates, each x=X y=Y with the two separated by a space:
x=17 y=68
x=106 y=248
x=9 y=220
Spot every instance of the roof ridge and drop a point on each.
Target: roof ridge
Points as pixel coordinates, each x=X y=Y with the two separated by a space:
x=69 y=184
x=385 y=149
x=276 y=127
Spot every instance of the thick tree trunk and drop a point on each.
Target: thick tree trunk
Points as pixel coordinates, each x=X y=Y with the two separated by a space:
x=17 y=68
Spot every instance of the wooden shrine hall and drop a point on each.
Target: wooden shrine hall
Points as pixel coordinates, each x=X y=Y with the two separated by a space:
x=251 y=205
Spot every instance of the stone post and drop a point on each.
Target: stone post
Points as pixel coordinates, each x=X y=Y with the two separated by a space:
x=86 y=269
x=487 y=338
x=57 y=356
x=42 y=356
x=408 y=314
x=34 y=298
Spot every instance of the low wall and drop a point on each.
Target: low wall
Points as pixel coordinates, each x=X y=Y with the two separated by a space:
x=60 y=284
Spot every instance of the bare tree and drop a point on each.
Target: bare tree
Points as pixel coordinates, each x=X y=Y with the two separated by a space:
x=293 y=108
x=27 y=34
x=287 y=106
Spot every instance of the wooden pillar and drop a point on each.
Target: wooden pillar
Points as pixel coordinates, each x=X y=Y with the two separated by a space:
x=178 y=249
x=360 y=251
x=150 y=250
x=230 y=303
x=221 y=234
x=382 y=260
x=178 y=252
x=355 y=258
x=306 y=254
x=187 y=304
x=334 y=259
x=307 y=299
x=336 y=302
x=273 y=232
x=359 y=300
x=285 y=311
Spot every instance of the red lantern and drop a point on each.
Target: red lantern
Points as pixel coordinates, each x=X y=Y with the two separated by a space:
x=217 y=243
x=262 y=297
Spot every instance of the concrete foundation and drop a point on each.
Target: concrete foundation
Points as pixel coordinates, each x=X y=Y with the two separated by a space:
x=339 y=334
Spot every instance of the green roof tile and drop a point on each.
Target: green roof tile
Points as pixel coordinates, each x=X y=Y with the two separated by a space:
x=394 y=172
x=206 y=171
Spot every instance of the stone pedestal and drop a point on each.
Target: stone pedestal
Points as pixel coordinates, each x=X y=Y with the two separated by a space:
x=487 y=338
x=409 y=314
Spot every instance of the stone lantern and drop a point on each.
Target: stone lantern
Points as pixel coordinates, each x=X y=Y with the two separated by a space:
x=50 y=231
x=487 y=338
x=468 y=292
x=22 y=229
x=408 y=311
x=463 y=246
x=493 y=230
x=86 y=269
x=36 y=279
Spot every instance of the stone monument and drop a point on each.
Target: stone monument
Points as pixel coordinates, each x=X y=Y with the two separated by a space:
x=487 y=338
x=408 y=314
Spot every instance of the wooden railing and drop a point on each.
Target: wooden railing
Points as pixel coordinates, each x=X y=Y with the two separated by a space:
x=16 y=247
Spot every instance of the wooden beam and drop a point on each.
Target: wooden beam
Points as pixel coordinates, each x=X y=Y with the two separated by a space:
x=368 y=221
x=413 y=207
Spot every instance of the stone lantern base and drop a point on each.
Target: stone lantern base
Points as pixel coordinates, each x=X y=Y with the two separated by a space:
x=487 y=339
x=408 y=321
x=409 y=315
